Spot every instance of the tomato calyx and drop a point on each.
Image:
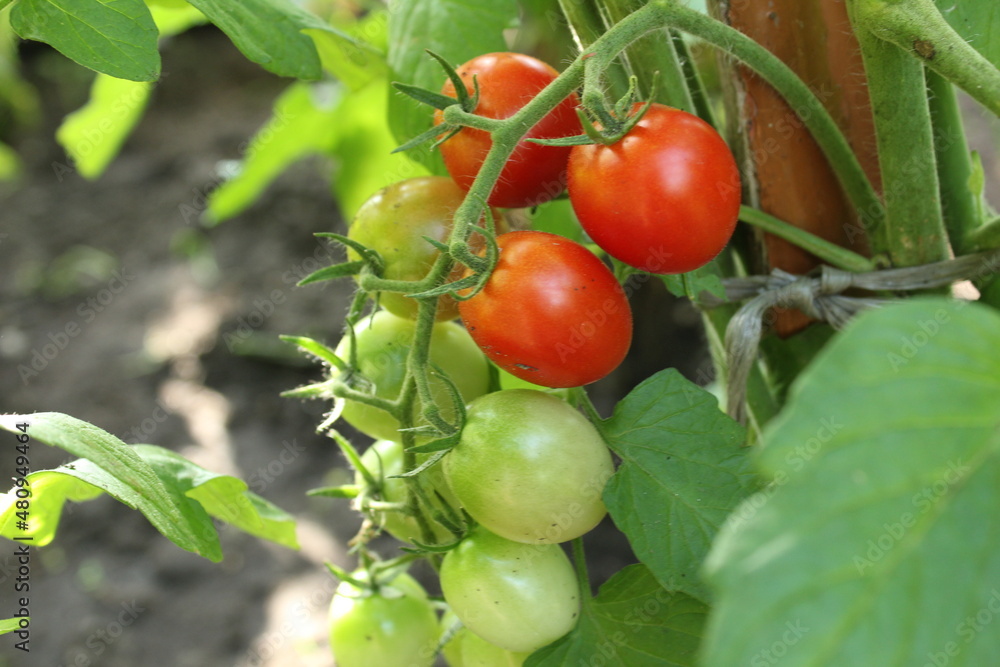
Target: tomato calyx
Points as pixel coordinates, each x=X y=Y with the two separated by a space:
x=464 y=103
x=612 y=124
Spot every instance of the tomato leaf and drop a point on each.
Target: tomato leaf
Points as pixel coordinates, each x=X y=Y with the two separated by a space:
x=684 y=469
x=178 y=497
x=12 y=624
x=632 y=622
x=115 y=37
x=454 y=29
x=874 y=542
x=693 y=283
x=269 y=32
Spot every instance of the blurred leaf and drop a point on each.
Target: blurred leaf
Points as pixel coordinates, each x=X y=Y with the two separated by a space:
x=457 y=30
x=120 y=471
x=363 y=148
x=557 y=217
x=12 y=624
x=875 y=540
x=355 y=55
x=978 y=22
x=10 y=163
x=114 y=37
x=300 y=125
x=93 y=134
x=632 y=622
x=684 y=469
x=269 y=32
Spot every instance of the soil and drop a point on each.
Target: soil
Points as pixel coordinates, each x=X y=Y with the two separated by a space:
x=160 y=330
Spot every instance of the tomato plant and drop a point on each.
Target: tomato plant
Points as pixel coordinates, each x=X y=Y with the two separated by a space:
x=574 y=324
x=382 y=346
x=529 y=467
x=664 y=198
x=397 y=221
x=848 y=444
x=517 y=596
x=393 y=625
x=384 y=459
x=534 y=174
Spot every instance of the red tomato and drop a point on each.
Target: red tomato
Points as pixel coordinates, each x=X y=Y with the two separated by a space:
x=551 y=312
x=507 y=81
x=664 y=198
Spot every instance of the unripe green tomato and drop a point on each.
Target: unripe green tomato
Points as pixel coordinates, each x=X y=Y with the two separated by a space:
x=529 y=467
x=383 y=344
x=466 y=649
x=385 y=457
x=394 y=222
x=517 y=596
x=394 y=627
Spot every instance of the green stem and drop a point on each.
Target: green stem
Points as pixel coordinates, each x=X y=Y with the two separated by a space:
x=914 y=231
x=580 y=566
x=651 y=56
x=695 y=86
x=917 y=27
x=831 y=253
x=986 y=237
x=586 y=25
x=660 y=13
x=458 y=116
x=954 y=164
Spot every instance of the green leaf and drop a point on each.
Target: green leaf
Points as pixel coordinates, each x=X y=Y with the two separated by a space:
x=691 y=284
x=223 y=497
x=354 y=54
x=363 y=148
x=178 y=497
x=632 y=622
x=557 y=217
x=114 y=37
x=269 y=32
x=458 y=31
x=978 y=22
x=684 y=469
x=12 y=624
x=874 y=542
x=302 y=123
x=124 y=474
x=93 y=134
x=10 y=163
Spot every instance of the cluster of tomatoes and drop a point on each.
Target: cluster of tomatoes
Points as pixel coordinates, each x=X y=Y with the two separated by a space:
x=527 y=467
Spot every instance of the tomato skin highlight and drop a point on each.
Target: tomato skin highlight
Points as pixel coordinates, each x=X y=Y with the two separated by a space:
x=517 y=596
x=507 y=81
x=551 y=312
x=664 y=199
x=394 y=222
x=529 y=467
x=395 y=627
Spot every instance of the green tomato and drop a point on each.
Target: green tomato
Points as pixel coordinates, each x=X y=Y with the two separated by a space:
x=517 y=596
x=383 y=344
x=394 y=626
x=529 y=467
x=385 y=459
x=466 y=649
x=394 y=222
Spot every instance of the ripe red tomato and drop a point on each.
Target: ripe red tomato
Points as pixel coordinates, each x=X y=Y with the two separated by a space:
x=551 y=312
x=507 y=81
x=664 y=198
